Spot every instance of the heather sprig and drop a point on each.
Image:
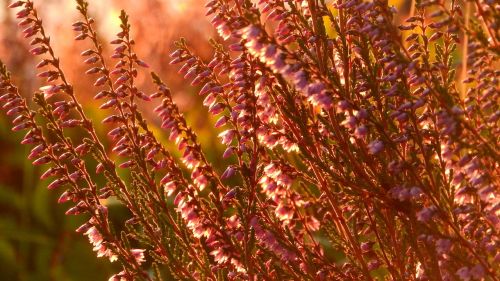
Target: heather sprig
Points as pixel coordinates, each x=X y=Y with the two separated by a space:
x=355 y=151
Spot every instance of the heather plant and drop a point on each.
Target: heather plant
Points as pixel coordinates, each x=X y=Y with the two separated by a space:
x=358 y=150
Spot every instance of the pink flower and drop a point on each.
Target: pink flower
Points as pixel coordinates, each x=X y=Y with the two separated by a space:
x=138 y=254
x=426 y=213
x=375 y=147
x=464 y=274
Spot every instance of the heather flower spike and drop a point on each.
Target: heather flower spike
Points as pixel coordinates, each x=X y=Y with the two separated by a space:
x=353 y=149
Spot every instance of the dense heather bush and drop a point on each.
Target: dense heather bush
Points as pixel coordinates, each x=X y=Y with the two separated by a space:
x=357 y=155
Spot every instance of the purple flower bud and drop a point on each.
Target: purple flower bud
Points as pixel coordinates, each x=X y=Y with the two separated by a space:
x=426 y=213
x=82 y=149
x=366 y=246
x=29 y=140
x=216 y=108
x=42 y=160
x=84 y=227
x=120 y=49
x=6 y=97
x=315 y=88
x=16 y=4
x=101 y=95
x=443 y=246
x=179 y=198
x=21 y=126
x=23 y=13
x=91 y=60
x=35 y=152
x=228 y=152
x=415 y=192
x=122 y=79
x=112 y=119
x=12 y=103
x=169 y=123
x=57 y=183
x=64 y=156
x=227 y=136
x=361 y=132
x=19 y=119
x=222 y=120
x=50 y=172
x=464 y=274
x=229 y=172
x=141 y=63
x=60 y=110
x=101 y=81
x=373 y=264
x=477 y=272
x=80 y=36
x=74 y=211
x=375 y=147
x=350 y=122
x=15 y=110
x=38 y=50
x=127 y=164
x=109 y=104
x=93 y=70
x=65 y=197
x=99 y=168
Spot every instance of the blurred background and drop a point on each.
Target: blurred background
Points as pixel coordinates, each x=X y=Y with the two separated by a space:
x=37 y=241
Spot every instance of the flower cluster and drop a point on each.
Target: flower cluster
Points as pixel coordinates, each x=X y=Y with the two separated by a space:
x=357 y=151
